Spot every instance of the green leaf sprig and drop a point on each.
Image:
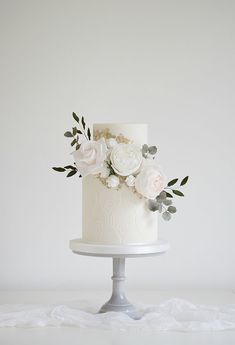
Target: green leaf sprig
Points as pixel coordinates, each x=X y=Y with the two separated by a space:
x=174 y=190
x=75 y=132
x=72 y=170
x=163 y=202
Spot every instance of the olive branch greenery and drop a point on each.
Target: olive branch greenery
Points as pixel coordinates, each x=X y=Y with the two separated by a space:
x=80 y=130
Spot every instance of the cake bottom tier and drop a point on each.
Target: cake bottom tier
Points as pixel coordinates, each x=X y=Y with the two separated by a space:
x=115 y=216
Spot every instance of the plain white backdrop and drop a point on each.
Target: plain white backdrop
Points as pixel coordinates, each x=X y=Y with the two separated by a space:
x=166 y=63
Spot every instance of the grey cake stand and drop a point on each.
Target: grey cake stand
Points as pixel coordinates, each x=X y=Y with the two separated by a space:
x=118 y=301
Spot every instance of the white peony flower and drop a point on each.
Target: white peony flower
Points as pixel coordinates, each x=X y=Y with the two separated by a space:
x=126 y=159
x=130 y=181
x=111 y=143
x=150 y=181
x=112 y=181
x=89 y=158
x=105 y=171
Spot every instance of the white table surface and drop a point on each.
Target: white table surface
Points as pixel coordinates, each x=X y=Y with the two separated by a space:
x=69 y=335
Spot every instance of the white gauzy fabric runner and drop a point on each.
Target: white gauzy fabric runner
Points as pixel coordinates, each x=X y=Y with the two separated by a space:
x=171 y=315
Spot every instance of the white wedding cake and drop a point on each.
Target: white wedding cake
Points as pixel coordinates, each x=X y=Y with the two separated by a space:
x=117 y=216
x=123 y=187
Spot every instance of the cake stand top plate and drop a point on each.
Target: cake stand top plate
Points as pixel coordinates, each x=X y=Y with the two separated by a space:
x=133 y=250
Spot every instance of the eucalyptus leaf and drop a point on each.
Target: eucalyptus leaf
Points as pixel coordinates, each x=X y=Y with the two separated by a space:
x=79 y=132
x=73 y=142
x=167 y=202
x=153 y=205
x=58 y=169
x=172 y=182
x=68 y=134
x=171 y=209
x=166 y=215
x=159 y=199
x=162 y=195
x=160 y=208
x=184 y=181
x=78 y=146
x=177 y=192
x=152 y=150
x=76 y=118
x=71 y=173
x=145 y=148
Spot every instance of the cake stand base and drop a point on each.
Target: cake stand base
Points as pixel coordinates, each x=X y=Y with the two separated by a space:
x=118 y=301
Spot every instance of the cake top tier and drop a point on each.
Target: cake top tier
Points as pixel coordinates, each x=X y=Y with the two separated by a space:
x=136 y=132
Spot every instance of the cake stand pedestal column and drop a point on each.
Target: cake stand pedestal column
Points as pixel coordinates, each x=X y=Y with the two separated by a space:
x=118 y=301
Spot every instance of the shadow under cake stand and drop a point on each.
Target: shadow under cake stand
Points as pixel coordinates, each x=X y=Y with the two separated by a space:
x=118 y=301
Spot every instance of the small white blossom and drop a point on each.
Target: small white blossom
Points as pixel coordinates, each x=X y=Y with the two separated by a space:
x=111 y=143
x=104 y=172
x=130 y=181
x=112 y=181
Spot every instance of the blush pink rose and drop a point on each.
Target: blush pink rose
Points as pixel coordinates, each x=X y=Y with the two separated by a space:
x=150 y=181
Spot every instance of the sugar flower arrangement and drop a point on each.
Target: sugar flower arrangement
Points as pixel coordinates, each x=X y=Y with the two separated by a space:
x=116 y=162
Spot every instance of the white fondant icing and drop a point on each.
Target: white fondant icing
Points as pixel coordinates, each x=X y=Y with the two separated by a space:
x=117 y=216
x=138 y=133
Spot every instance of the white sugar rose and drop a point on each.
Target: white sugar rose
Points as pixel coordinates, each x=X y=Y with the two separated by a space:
x=150 y=181
x=130 y=181
x=112 y=181
x=89 y=158
x=111 y=142
x=126 y=159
